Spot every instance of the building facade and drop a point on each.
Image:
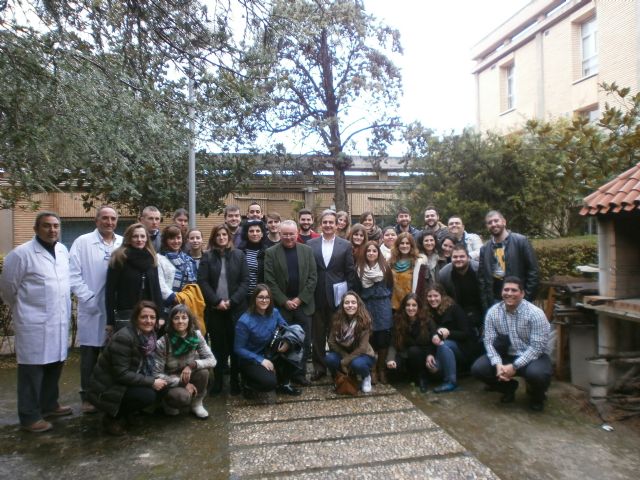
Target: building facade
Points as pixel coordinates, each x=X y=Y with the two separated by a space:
x=368 y=189
x=548 y=59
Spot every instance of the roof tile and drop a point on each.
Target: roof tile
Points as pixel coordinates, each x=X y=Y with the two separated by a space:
x=620 y=194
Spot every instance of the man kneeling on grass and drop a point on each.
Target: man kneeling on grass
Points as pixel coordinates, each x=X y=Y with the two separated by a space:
x=516 y=339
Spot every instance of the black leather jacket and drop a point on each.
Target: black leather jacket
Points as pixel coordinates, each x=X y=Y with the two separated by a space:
x=520 y=261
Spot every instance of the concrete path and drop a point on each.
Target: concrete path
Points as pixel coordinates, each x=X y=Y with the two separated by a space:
x=321 y=435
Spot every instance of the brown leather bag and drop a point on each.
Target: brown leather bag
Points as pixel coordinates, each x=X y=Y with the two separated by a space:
x=346 y=384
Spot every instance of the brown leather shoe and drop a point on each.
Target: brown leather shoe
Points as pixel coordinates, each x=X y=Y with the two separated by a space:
x=37 y=427
x=113 y=426
x=88 y=408
x=61 y=411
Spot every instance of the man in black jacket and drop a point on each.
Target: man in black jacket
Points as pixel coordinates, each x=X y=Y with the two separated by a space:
x=506 y=254
x=460 y=279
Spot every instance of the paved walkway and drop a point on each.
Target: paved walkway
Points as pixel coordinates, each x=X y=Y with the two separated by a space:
x=321 y=435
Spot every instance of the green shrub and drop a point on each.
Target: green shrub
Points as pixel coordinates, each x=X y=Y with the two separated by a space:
x=561 y=256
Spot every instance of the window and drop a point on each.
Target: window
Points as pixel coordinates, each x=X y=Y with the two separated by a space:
x=510 y=84
x=590 y=114
x=589 y=41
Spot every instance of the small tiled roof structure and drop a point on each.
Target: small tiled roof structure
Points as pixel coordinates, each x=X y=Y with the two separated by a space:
x=621 y=194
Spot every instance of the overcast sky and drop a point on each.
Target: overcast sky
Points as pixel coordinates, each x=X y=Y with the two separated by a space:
x=437 y=36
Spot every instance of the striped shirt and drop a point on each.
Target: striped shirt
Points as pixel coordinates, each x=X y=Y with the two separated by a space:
x=527 y=328
x=251 y=256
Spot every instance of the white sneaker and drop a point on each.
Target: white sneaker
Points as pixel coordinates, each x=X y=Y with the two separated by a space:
x=366 y=384
x=197 y=408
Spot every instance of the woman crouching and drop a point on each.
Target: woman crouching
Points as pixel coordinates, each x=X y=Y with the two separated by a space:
x=253 y=337
x=122 y=382
x=349 y=340
x=183 y=360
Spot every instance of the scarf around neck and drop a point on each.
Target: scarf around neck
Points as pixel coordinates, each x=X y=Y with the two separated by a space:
x=371 y=275
x=347 y=335
x=182 y=345
x=402 y=265
x=146 y=346
x=139 y=258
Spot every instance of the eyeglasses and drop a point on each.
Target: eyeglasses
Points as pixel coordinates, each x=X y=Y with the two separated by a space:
x=263 y=299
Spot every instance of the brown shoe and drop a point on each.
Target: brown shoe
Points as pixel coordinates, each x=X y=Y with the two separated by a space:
x=61 y=411
x=113 y=426
x=88 y=408
x=37 y=427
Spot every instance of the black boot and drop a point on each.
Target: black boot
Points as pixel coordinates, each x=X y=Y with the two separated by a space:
x=216 y=385
x=234 y=385
x=423 y=383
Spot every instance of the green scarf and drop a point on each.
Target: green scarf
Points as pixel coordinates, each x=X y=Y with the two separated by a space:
x=402 y=265
x=181 y=345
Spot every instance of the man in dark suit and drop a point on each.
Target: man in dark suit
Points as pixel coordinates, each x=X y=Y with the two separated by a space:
x=290 y=272
x=335 y=267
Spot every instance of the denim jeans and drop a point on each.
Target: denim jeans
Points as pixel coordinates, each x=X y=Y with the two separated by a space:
x=361 y=365
x=448 y=355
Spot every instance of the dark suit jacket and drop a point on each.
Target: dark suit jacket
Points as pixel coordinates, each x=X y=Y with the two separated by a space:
x=340 y=269
x=276 y=276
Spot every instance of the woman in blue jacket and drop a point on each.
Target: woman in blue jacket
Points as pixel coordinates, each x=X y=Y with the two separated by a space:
x=254 y=332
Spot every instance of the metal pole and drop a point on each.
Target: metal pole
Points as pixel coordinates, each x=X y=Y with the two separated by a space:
x=192 y=159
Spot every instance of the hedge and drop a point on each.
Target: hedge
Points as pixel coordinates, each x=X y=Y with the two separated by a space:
x=561 y=256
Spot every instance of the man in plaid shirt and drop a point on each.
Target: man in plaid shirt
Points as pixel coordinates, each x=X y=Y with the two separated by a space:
x=516 y=339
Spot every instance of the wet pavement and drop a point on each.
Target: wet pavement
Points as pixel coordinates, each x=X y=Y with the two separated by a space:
x=322 y=435
x=467 y=429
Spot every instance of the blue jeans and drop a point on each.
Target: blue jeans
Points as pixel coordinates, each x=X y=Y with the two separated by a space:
x=361 y=365
x=448 y=355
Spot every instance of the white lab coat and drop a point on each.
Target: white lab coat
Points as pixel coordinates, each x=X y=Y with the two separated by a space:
x=88 y=264
x=36 y=287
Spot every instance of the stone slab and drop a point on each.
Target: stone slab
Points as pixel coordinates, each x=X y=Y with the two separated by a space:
x=313 y=392
x=265 y=460
x=455 y=468
x=318 y=408
x=296 y=431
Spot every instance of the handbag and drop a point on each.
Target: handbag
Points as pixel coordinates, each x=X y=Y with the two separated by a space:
x=345 y=384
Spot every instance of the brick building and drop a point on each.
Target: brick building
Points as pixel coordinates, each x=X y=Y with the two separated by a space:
x=368 y=188
x=547 y=60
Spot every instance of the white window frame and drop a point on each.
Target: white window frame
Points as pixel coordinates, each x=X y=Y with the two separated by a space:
x=589 y=47
x=510 y=81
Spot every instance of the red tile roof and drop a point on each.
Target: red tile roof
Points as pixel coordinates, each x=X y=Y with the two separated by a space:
x=620 y=194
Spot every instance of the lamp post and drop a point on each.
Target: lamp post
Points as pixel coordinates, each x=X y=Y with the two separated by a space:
x=192 y=158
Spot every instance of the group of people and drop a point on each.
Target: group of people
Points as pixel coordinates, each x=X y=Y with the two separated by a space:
x=157 y=310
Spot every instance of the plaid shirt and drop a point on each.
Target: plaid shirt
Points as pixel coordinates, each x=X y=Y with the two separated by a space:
x=527 y=328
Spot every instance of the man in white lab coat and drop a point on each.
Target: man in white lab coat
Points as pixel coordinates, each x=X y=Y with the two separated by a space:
x=35 y=284
x=89 y=261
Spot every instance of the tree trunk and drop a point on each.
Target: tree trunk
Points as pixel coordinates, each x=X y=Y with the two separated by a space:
x=334 y=142
x=340 y=197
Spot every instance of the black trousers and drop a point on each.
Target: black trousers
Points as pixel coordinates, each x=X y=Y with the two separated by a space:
x=320 y=331
x=258 y=378
x=135 y=399
x=88 y=359
x=417 y=361
x=37 y=390
x=221 y=328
